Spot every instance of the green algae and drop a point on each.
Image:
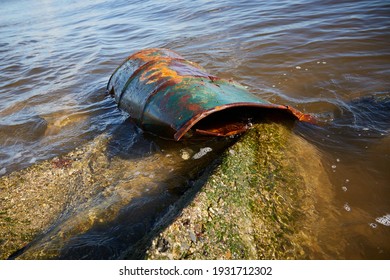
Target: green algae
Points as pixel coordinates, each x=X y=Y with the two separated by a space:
x=254 y=206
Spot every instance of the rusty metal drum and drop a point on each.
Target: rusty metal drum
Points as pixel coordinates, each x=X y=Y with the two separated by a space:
x=174 y=98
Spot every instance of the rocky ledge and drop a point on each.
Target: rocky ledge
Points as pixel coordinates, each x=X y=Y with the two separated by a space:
x=266 y=200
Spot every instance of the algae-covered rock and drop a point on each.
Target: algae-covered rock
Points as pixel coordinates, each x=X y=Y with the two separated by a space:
x=48 y=209
x=262 y=202
x=267 y=199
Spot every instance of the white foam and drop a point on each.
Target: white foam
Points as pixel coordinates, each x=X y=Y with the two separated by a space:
x=384 y=220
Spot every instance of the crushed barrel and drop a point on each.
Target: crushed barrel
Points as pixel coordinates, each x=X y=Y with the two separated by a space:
x=174 y=98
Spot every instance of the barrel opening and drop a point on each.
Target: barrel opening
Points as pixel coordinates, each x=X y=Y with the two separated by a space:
x=236 y=120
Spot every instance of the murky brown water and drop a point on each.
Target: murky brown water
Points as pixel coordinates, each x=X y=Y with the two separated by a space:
x=328 y=58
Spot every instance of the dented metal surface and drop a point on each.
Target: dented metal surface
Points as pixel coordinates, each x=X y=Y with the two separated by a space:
x=172 y=97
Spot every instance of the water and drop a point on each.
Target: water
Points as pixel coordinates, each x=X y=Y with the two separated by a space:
x=328 y=58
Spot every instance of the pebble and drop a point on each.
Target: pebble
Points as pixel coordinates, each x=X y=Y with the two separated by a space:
x=202 y=152
x=192 y=236
x=373 y=225
x=185 y=154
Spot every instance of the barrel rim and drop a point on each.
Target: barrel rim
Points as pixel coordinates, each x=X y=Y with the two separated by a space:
x=195 y=119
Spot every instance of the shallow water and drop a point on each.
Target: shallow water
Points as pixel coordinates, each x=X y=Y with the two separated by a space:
x=327 y=58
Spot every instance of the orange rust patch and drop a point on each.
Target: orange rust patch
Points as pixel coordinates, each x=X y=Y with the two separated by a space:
x=191 y=106
x=159 y=70
x=301 y=116
x=224 y=130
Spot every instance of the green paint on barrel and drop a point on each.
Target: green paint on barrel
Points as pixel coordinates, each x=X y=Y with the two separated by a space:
x=175 y=98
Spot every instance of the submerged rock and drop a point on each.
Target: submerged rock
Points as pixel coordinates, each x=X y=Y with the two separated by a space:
x=268 y=198
x=48 y=210
x=33 y=198
x=262 y=202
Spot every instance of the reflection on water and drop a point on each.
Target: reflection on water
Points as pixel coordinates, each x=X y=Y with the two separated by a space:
x=328 y=58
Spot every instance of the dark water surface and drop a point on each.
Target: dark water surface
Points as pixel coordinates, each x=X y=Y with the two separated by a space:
x=327 y=58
